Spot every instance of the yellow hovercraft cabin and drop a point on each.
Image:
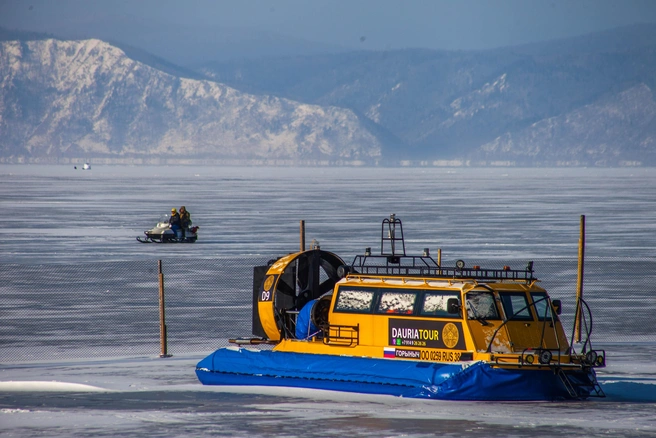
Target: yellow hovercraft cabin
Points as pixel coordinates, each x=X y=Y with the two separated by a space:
x=404 y=325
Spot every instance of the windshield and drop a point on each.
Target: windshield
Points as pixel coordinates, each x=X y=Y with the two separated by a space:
x=480 y=305
x=515 y=305
x=542 y=307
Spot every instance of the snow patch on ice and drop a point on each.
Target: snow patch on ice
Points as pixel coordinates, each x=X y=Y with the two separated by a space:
x=42 y=386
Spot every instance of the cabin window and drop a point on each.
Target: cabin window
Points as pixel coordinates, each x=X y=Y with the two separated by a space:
x=435 y=304
x=542 y=307
x=516 y=306
x=354 y=300
x=481 y=305
x=397 y=302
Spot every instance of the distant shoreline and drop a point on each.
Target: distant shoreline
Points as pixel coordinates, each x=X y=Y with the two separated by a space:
x=279 y=162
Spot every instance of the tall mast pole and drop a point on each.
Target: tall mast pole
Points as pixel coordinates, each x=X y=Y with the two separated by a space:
x=579 y=283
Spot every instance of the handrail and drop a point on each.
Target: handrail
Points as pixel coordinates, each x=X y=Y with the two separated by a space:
x=349 y=338
x=588 y=332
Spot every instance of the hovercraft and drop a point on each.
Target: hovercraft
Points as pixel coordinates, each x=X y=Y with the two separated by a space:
x=161 y=233
x=406 y=326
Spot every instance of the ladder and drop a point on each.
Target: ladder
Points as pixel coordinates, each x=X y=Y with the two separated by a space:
x=572 y=387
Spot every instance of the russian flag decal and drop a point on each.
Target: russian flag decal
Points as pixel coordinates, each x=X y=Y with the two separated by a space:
x=389 y=352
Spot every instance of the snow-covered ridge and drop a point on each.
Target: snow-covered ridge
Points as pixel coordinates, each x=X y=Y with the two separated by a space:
x=625 y=117
x=87 y=97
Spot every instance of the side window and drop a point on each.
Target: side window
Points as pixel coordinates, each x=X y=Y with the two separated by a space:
x=354 y=300
x=397 y=302
x=480 y=304
x=516 y=306
x=435 y=304
x=542 y=307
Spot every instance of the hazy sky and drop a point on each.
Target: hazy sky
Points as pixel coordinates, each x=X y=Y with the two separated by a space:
x=367 y=24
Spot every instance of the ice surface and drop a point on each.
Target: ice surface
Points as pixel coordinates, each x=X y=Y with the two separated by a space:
x=142 y=395
x=57 y=215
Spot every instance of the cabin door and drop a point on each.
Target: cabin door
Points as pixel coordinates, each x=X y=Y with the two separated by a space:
x=531 y=325
x=484 y=322
x=554 y=336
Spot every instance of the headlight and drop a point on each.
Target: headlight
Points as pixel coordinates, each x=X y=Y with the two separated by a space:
x=596 y=358
x=545 y=357
x=601 y=361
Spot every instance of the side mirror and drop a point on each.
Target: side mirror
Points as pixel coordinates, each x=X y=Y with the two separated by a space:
x=557 y=306
x=453 y=306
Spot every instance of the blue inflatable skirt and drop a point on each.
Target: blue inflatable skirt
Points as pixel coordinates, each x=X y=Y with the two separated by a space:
x=403 y=378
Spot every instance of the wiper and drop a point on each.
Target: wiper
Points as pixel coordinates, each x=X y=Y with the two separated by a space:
x=477 y=317
x=482 y=320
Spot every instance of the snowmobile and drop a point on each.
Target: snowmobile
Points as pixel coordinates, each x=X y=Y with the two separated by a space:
x=161 y=233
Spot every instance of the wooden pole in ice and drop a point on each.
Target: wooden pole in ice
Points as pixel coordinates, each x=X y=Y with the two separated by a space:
x=162 y=320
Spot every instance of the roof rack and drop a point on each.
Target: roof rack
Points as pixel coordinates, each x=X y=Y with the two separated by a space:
x=421 y=266
x=393 y=261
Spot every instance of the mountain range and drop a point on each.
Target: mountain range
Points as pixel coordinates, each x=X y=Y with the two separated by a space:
x=88 y=99
x=584 y=101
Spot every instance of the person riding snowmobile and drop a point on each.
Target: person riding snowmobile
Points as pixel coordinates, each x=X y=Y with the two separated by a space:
x=185 y=220
x=174 y=223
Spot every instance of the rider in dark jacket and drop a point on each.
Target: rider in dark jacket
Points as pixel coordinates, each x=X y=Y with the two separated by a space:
x=185 y=220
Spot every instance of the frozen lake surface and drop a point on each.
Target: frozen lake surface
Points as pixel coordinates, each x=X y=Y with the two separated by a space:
x=147 y=396
x=58 y=215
